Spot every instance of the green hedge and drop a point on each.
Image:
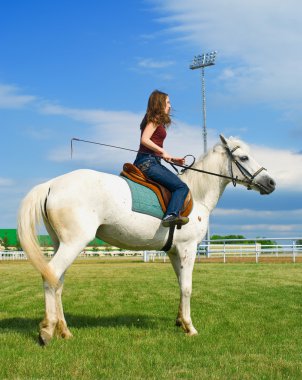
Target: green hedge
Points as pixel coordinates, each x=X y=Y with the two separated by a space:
x=9 y=235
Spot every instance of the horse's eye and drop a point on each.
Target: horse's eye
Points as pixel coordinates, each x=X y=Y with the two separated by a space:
x=244 y=158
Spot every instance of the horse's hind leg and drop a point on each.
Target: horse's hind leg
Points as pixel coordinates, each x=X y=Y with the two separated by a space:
x=47 y=325
x=61 y=329
x=54 y=320
x=72 y=228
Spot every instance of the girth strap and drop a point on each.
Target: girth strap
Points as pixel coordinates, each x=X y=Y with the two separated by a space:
x=169 y=242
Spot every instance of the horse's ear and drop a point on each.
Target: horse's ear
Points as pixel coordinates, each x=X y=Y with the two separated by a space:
x=223 y=139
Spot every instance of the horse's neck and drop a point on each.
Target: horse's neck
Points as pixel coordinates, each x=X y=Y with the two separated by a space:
x=205 y=188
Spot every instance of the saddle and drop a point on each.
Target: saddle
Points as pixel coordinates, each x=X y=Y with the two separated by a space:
x=131 y=172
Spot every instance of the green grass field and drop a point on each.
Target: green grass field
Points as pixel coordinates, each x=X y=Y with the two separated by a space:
x=122 y=317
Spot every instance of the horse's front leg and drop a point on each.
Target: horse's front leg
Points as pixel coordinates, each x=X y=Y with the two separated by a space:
x=183 y=263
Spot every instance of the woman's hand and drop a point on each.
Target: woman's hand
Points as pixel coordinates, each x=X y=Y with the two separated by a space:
x=178 y=160
x=166 y=156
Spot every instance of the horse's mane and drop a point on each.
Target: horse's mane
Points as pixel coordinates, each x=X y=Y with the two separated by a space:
x=212 y=161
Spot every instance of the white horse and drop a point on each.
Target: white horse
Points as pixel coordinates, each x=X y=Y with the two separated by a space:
x=80 y=205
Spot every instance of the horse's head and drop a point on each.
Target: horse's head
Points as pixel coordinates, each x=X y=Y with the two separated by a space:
x=244 y=169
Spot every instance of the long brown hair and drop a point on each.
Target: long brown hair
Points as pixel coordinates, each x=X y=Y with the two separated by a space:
x=156 y=110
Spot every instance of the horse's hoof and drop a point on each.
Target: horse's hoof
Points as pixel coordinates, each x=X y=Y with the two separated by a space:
x=178 y=322
x=62 y=331
x=66 y=334
x=192 y=333
x=44 y=338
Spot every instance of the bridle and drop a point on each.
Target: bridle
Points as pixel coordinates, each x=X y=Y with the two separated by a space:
x=249 y=179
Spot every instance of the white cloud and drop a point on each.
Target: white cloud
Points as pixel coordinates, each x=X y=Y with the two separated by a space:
x=249 y=222
x=188 y=139
x=268 y=230
x=40 y=133
x=90 y=116
x=4 y=182
x=279 y=228
x=155 y=68
x=10 y=97
x=149 y=63
x=284 y=166
x=11 y=196
x=118 y=128
x=257 y=40
x=260 y=214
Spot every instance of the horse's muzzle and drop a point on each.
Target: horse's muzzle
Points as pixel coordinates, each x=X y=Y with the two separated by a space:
x=267 y=185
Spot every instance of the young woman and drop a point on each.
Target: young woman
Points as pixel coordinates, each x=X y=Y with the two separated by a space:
x=153 y=132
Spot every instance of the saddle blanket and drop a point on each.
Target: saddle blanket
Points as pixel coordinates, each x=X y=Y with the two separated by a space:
x=144 y=200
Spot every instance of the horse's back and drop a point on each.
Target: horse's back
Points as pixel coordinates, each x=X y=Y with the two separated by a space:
x=85 y=179
x=82 y=175
x=87 y=189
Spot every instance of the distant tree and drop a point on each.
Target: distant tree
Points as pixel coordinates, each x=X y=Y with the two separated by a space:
x=94 y=244
x=45 y=241
x=5 y=242
x=228 y=237
x=232 y=238
x=299 y=242
x=265 y=242
x=18 y=245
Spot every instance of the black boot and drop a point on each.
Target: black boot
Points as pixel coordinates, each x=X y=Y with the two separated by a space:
x=172 y=220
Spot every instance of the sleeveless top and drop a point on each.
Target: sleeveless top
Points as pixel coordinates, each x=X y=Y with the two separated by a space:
x=158 y=138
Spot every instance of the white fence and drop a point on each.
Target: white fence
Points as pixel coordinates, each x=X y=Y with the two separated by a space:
x=12 y=255
x=213 y=249
x=255 y=248
x=224 y=249
x=20 y=255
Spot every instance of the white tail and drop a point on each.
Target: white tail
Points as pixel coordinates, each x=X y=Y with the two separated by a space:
x=30 y=214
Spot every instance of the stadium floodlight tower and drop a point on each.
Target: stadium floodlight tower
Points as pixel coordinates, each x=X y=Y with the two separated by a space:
x=200 y=62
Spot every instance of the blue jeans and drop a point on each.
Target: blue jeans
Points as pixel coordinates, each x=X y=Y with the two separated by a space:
x=151 y=166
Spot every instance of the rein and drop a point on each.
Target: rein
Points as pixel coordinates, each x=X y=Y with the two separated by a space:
x=249 y=178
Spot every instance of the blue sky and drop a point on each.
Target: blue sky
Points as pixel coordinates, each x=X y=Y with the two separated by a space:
x=85 y=69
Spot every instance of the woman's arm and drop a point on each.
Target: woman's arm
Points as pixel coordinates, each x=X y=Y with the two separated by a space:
x=147 y=142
